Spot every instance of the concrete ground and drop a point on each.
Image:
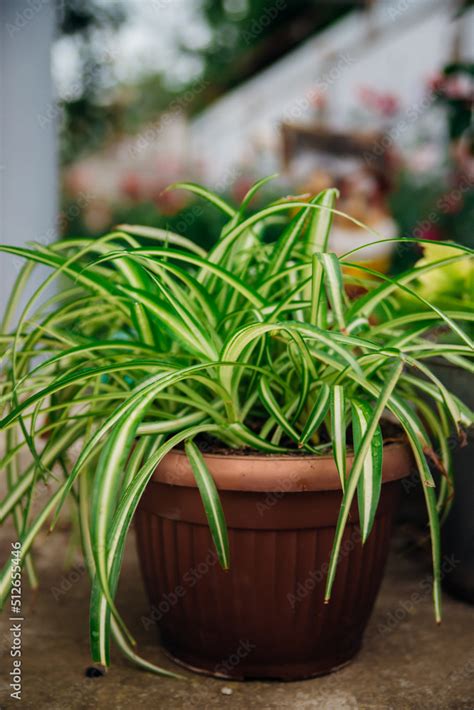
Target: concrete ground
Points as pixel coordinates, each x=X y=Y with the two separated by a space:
x=406 y=662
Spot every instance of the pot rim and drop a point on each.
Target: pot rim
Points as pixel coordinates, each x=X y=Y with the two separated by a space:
x=273 y=473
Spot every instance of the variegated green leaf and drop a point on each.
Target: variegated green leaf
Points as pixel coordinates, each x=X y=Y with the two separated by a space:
x=356 y=471
x=317 y=414
x=270 y=403
x=211 y=502
x=334 y=286
x=338 y=432
x=370 y=482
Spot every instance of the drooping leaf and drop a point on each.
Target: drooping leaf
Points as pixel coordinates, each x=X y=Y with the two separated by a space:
x=338 y=430
x=211 y=502
x=370 y=482
x=317 y=414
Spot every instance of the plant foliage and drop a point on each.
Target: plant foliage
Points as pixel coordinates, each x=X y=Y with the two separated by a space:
x=273 y=345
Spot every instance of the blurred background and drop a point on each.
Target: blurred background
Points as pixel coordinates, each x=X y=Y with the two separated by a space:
x=105 y=102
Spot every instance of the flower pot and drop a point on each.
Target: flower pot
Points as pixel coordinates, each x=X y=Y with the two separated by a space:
x=265 y=617
x=458 y=530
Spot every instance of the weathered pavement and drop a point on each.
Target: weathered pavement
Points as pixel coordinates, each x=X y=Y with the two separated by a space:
x=406 y=662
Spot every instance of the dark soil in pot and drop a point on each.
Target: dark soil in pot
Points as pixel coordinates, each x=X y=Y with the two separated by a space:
x=265 y=617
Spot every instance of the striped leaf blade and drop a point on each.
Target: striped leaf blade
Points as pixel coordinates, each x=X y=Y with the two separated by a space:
x=270 y=403
x=204 y=265
x=163 y=235
x=286 y=242
x=317 y=303
x=102 y=622
x=370 y=482
x=366 y=304
x=321 y=221
x=211 y=502
x=334 y=286
x=338 y=430
x=208 y=195
x=356 y=471
x=317 y=414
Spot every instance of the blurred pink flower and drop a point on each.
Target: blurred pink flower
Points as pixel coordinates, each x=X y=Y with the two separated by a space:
x=435 y=82
x=317 y=99
x=455 y=87
x=385 y=104
x=430 y=231
x=240 y=187
x=424 y=158
x=131 y=186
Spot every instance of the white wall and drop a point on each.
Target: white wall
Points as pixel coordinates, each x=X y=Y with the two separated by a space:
x=394 y=49
x=28 y=185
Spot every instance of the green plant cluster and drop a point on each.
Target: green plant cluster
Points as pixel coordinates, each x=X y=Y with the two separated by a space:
x=277 y=345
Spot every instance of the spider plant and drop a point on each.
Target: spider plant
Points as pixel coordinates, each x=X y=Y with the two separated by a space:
x=153 y=343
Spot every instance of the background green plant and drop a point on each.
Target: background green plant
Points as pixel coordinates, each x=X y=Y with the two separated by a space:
x=253 y=343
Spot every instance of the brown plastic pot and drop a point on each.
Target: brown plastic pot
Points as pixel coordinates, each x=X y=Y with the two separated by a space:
x=265 y=617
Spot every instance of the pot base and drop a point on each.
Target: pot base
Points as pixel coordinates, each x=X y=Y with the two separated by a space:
x=287 y=672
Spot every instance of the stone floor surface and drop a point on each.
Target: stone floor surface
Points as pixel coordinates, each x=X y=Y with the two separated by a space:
x=407 y=661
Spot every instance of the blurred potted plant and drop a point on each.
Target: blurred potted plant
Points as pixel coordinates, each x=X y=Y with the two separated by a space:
x=451 y=287
x=454 y=88
x=278 y=386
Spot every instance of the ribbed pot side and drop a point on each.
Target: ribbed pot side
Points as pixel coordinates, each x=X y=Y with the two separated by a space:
x=264 y=617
